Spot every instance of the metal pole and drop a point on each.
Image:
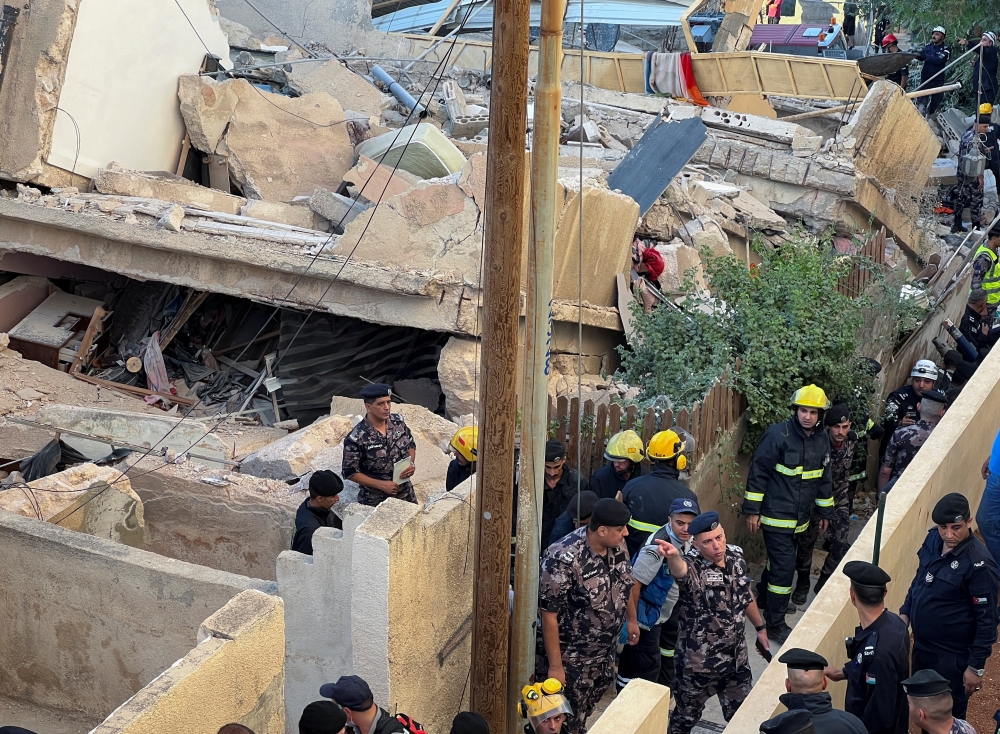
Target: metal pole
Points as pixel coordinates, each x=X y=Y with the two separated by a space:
x=504 y=220
x=448 y=35
x=538 y=312
x=878 y=527
x=842 y=108
x=952 y=63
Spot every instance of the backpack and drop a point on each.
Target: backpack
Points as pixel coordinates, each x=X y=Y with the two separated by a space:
x=410 y=725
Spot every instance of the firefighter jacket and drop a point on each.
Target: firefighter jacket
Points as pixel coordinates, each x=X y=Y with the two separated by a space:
x=789 y=476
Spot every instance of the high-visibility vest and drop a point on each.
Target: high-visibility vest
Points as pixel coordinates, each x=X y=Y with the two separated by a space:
x=991 y=280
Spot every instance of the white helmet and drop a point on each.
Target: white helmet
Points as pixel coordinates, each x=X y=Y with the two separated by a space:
x=940 y=29
x=924 y=368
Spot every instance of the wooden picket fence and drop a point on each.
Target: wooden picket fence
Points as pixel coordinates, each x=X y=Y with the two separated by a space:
x=589 y=429
x=861 y=276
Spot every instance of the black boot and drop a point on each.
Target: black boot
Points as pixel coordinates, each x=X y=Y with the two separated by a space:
x=801 y=592
x=821 y=582
x=957 y=226
x=779 y=633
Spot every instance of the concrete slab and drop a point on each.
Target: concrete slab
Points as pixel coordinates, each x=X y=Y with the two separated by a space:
x=292 y=455
x=352 y=90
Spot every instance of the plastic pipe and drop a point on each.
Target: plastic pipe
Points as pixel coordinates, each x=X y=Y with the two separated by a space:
x=398 y=92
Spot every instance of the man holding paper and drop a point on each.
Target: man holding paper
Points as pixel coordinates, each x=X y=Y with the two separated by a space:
x=379 y=452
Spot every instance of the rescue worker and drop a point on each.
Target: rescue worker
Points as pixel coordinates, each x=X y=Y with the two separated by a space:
x=935 y=56
x=984 y=75
x=562 y=483
x=952 y=602
x=789 y=475
x=806 y=689
x=650 y=496
x=465 y=444
x=968 y=190
x=316 y=511
x=715 y=601
x=545 y=707
x=865 y=428
x=890 y=45
x=989 y=132
x=843 y=442
x=624 y=452
x=796 y=721
x=375 y=445
x=907 y=440
x=878 y=654
x=986 y=272
x=578 y=512
x=901 y=405
x=930 y=704
x=364 y=716
x=975 y=325
x=654 y=597
x=319 y=717
x=584 y=588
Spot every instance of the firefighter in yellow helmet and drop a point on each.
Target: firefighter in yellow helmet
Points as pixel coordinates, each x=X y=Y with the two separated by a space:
x=465 y=445
x=624 y=452
x=789 y=476
x=544 y=706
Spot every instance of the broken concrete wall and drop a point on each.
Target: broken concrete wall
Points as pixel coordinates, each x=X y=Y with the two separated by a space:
x=96 y=500
x=19 y=297
x=86 y=622
x=235 y=674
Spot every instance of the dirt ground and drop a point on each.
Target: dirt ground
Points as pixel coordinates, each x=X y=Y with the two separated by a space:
x=42 y=720
x=984 y=704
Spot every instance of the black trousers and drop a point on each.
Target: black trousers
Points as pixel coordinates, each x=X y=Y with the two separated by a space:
x=668 y=646
x=951 y=667
x=776 y=582
x=641 y=660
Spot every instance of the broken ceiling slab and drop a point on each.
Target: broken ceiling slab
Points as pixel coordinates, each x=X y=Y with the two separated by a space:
x=292 y=455
x=119 y=93
x=115 y=179
x=377 y=182
x=626 y=101
x=352 y=90
x=338 y=210
x=754 y=125
x=296 y=215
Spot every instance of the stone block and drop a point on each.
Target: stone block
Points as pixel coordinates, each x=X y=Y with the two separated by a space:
x=379 y=182
x=678 y=259
x=467 y=126
x=352 y=90
x=658 y=223
x=706 y=232
x=758 y=215
x=458 y=372
x=123 y=182
x=827 y=180
x=172 y=218
x=292 y=455
x=207 y=107
x=297 y=215
x=336 y=209
x=86 y=498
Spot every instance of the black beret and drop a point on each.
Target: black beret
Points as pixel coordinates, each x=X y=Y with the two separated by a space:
x=935 y=395
x=554 y=450
x=704 y=522
x=837 y=414
x=925 y=683
x=799 y=659
x=467 y=722
x=953 y=393
x=995 y=231
x=371 y=393
x=322 y=717
x=325 y=483
x=585 y=508
x=951 y=508
x=863 y=573
x=610 y=513
x=796 y=721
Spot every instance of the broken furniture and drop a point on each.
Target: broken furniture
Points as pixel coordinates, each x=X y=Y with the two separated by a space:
x=52 y=333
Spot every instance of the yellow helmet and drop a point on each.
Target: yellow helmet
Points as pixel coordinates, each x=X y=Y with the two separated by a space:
x=985 y=109
x=666 y=445
x=810 y=396
x=542 y=701
x=466 y=442
x=624 y=445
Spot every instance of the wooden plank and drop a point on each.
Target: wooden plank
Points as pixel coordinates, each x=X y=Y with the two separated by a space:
x=562 y=412
x=633 y=416
x=88 y=339
x=182 y=160
x=614 y=419
x=131 y=390
x=667 y=420
x=192 y=302
x=683 y=419
x=648 y=426
x=573 y=433
x=587 y=437
x=695 y=431
x=600 y=431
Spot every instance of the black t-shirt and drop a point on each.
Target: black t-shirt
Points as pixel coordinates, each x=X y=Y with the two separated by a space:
x=307 y=521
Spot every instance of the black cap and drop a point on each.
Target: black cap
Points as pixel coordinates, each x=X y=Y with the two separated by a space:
x=371 y=393
x=704 y=522
x=953 y=357
x=554 y=450
x=349 y=691
x=322 y=717
x=952 y=393
x=610 y=513
x=837 y=415
x=964 y=371
x=935 y=395
x=796 y=721
x=995 y=231
x=926 y=683
x=684 y=506
x=951 y=508
x=799 y=659
x=581 y=506
x=468 y=722
x=325 y=483
x=863 y=573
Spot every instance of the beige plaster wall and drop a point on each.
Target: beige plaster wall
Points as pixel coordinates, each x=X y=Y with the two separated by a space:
x=641 y=708
x=234 y=674
x=950 y=460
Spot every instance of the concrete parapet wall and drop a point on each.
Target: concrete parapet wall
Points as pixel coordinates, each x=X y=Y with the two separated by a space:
x=234 y=674
x=950 y=461
x=641 y=708
x=86 y=622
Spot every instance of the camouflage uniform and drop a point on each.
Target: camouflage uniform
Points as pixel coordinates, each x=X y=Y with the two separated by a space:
x=590 y=594
x=369 y=452
x=968 y=191
x=904 y=445
x=712 y=648
x=841 y=463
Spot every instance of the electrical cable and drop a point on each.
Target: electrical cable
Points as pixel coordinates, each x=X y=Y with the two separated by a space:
x=279 y=29
x=76 y=127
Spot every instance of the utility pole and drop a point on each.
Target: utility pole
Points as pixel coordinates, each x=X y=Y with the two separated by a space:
x=504 y=219
x=537 y=336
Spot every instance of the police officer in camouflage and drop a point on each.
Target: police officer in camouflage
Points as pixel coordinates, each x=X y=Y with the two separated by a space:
x=586 y=579
x=373 y=448
x=843 y=443
x=901 y=405
x=906 y=441
x=715 y=601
